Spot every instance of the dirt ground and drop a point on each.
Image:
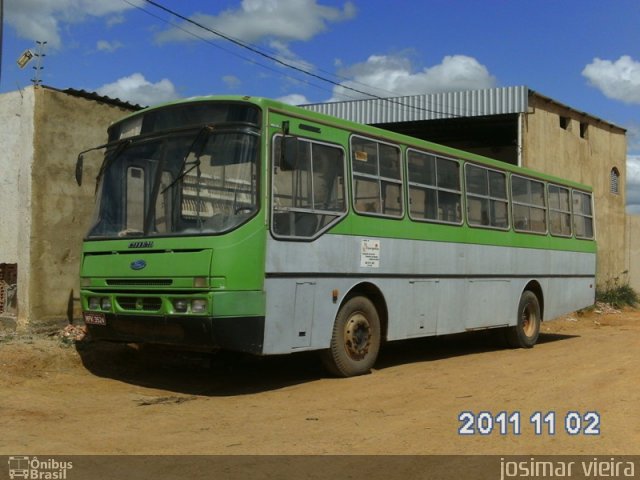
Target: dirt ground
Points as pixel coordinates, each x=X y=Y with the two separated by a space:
x=93 y=398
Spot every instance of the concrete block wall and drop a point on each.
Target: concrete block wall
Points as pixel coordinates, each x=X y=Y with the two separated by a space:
x=587 y=156
x=44 y=213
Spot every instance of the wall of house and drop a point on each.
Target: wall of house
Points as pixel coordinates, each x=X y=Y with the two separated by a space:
x=16 y=139
x=584 y=156
x=633 y=252
x=61 y=211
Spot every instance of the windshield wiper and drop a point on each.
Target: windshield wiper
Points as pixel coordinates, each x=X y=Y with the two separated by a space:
x=202 y=134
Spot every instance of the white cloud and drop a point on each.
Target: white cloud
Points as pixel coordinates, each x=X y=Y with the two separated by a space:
x=633 y=168
x=115 y=20
x=109 y=47
x=619 y=80
x=633 y=138
x=284 y=54
x=231 y=81
x=42 y=19
x=259 y=19
x=137 y=89
x=633 y=184
x=294 y=99
x=390 y=75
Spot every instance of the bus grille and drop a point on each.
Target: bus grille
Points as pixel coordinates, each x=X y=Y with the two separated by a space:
x=163 y=282
x=140 y=304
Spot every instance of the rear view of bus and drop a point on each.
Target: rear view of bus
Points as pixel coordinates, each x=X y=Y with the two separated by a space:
x=178 y=235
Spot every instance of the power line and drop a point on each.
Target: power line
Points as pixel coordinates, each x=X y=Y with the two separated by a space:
x=234 y=39
x=226 y=50
x=250 y=47
x=285 y=64
x=258 y=51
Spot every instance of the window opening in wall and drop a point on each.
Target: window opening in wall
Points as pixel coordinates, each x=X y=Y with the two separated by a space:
x=614 y=180
x=8 y=288
x=564 y=122
x=584 y=130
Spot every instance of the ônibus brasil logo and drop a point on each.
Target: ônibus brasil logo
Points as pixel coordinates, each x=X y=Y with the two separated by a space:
x=33 y=468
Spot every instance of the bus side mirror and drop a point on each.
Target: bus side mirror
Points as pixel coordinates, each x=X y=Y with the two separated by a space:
x=79 y=165
x=289 y=157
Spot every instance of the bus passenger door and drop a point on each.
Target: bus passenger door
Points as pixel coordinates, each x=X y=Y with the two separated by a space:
x=424 y=307
x=303 y=311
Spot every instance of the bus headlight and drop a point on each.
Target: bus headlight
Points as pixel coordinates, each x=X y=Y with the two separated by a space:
x=105 y=303
x=94 y=303
x=199 y=306
x=180 y=305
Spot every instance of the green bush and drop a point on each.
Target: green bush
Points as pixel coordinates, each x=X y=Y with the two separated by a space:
x=617 y=294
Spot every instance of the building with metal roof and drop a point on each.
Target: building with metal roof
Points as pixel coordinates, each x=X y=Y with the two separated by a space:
x=429 y=106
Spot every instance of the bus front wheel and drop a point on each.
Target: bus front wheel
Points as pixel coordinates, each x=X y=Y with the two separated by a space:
x=355 y=341
x=525 y=333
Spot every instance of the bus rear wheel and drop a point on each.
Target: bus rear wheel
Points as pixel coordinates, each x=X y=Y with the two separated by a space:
x=525 y=333
x=355 y=341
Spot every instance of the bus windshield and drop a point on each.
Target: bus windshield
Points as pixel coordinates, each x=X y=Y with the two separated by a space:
x=203 y=181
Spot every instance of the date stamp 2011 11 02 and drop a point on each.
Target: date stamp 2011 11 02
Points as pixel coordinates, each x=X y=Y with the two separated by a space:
x=541 y=423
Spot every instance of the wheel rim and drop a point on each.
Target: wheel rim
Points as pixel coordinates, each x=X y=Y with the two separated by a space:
x=357 y=336
x=529 y=320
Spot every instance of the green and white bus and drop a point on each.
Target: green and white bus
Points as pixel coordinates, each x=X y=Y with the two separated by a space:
x=246 y=224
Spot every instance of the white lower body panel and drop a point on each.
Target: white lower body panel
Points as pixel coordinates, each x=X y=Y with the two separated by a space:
x=429 y=288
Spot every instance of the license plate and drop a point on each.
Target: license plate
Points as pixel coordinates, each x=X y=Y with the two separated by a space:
x=91 y=318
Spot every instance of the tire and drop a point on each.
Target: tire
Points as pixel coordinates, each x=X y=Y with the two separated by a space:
x=525 y=333
x=355 y=341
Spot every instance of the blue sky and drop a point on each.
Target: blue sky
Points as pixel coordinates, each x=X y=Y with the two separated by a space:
x=585 y=54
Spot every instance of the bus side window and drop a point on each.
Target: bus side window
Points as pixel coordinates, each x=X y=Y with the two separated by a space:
x=487 y=202
x=582 y=214
x=434 y=188
x=529 y=207
x=307 y=195
x=559 y=211
x=377 y=177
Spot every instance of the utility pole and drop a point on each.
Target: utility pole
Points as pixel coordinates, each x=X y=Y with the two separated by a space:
x=1 y=24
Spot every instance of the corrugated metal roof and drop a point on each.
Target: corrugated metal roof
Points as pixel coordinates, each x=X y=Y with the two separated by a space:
x=466 y=103
x=101 y=98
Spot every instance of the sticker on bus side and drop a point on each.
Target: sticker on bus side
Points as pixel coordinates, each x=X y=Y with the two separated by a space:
x=370 y=253
x=361 y=156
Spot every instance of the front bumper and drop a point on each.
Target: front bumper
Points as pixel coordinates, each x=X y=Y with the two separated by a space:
x=241 y=334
